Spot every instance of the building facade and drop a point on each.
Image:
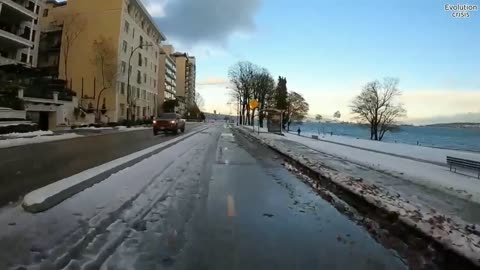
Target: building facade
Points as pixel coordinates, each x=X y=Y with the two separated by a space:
x=19 y=31
x=111 y=61
x=167 y=81
x=186 y=75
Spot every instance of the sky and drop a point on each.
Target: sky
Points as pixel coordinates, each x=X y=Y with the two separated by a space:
x=328 y=51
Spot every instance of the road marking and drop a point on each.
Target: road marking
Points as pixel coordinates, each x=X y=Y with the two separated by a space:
x=230 y=206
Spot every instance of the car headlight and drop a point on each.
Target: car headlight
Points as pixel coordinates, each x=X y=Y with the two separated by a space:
x=154 y=121
x=173 y=122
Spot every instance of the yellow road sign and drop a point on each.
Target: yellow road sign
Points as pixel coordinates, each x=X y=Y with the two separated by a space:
x=253 y=104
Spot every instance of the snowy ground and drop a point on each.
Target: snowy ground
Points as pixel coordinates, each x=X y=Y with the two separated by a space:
x=27 y=134
x=435 y=155
x=37 y=139
x=99 y=217
x=464 y=185
x=451 y=231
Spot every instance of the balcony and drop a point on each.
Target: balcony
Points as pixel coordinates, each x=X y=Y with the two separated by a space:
x=15 y=9
x=11 y=40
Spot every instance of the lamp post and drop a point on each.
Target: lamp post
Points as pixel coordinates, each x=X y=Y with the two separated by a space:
x=140 y=46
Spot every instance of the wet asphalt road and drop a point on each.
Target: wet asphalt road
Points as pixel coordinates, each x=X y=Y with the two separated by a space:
x=26 y=168
x=213 y=201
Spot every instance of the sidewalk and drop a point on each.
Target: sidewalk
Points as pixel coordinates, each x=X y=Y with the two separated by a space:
x=444 y=217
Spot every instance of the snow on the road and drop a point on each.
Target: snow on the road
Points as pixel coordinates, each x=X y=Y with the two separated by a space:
x=40 y=196
x=15 y=123
x=78 y=225
x=28 y=134
x=436 y=155
x=451 y=232
x=39 y=139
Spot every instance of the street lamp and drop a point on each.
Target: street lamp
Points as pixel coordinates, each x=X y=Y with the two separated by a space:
x=140 y=46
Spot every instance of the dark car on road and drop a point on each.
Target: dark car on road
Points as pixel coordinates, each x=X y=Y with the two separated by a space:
x=168 y=122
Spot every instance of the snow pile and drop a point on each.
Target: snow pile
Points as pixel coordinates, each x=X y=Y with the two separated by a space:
x=435 y=155
x=94 y=128
x=15 y=123
x=28 y=134
x=451 y=232
x=126 y=129
x=39 y=139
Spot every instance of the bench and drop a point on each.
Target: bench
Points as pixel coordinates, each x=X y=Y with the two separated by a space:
x=473 y=165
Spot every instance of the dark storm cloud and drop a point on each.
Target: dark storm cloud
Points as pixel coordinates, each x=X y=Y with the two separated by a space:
x=212 y=21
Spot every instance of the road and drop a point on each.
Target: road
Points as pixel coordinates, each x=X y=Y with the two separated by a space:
x=28 y=167
x=212 y=201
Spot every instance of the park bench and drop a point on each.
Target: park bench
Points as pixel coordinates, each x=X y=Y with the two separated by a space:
x=473 y=165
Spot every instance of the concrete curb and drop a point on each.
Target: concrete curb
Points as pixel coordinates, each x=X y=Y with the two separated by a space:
x=47 y=197
x=445 y=243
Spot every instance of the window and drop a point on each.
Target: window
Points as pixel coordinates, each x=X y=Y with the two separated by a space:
x=144 y=94
x=37 y=10
x=138 y=92
x=34 y=33
x=145 y=78
x=127 y=27
x=146 y=61
x=154 y=83
x=141 y=42
x=122 y=88
x=45 y=12
x=124 y=46
x=30 y=60
x=155 y=68
x=139 y=76
x=122 y=109
x=35 y=21
x=139 y=59
x=123 y=67
x=23 y=58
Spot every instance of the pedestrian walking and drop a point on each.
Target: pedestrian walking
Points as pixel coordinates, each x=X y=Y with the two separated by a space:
x=299 y=131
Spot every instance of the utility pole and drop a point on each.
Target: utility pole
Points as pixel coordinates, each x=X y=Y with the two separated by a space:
x=129 y=94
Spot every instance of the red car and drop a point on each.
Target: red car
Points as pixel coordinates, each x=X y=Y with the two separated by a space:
x=168 y=122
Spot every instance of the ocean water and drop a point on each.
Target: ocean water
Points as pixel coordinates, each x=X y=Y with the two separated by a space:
x=467 y=139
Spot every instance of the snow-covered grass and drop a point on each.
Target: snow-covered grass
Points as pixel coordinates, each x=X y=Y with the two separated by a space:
x=433 y=176
x=28 y=134
x=39 y=139
x=452 y=232
x=436 y=155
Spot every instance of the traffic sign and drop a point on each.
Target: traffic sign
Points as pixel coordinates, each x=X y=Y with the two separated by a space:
x=253 y=104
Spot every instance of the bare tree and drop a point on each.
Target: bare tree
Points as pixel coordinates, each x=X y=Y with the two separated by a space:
x=106 y=66
x=72 y=26
x=242 y=75
x=263 y=91
x=199 y=101
x=376 y=106
x=297 y=108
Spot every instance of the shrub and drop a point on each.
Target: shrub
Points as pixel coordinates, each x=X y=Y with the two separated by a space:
x=22 y=128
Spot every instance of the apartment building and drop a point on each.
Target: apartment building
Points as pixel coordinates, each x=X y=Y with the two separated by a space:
x=167 y=85
x=19 y=31
x=126 y=35
x=186 y=74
